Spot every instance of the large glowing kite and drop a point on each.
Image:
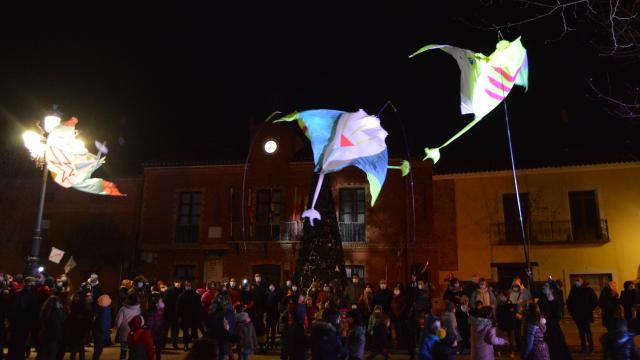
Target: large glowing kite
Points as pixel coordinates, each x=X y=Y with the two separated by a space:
x=340 y=139
x=484 y=80
x=71 y=165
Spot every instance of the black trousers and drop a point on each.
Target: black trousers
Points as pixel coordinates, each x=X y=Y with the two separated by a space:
x=584 y=330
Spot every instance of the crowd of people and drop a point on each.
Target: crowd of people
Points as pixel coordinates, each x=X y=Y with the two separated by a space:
x=324 y=321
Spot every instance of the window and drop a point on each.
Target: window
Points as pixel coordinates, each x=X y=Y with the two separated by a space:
x=352 y=205
x=352 y=215
x=188 y=225
x=184 y=272
x=268 y=214
x=596 y=281
x=585 y=217
x=269 y=272
x=355 y=269
x=512 y=228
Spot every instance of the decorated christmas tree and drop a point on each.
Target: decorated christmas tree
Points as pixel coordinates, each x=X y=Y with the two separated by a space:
x=321 y=258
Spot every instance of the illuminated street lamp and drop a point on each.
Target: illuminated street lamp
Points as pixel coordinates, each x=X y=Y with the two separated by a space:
x=36 y=143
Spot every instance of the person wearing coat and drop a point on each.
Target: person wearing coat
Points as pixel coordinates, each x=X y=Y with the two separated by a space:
x=581 y=302
x=609 y=301
x=399 y=316
x=325 y=339
x=449 y=321
x=79 y=324
x=189 y=313
x=52 y=319
x=618 y=342
x=551 y=306
x=297 y=341
x=140 y=340
x=156 y=324
x=356 y=338
x=125 y=314
x=534 y=345
x=101 y=325
x=171 y=310
x=383 y=297
x=483 y=294
x=246 y=333
x=483 y=335
x=429 y=338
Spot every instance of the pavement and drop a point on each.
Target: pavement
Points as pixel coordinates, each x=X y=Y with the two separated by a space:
x=570 y=331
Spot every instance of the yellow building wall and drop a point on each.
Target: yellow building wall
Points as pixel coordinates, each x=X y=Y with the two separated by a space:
x=478 y=200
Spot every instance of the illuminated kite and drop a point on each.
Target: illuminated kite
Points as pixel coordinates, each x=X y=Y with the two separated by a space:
x=340 y=139
x=484 y=80
x=71 y=165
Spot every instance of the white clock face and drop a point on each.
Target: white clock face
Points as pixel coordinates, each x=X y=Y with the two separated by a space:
x=270 y=146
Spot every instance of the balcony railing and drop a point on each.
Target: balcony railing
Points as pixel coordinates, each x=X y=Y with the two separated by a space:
x=283 y=231
x=352 y=232
x=187 y=234
x=551 y=232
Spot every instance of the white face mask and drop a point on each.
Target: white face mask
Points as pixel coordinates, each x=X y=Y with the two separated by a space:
x=355 y=281
x=326 y=289
x=272 y=288
x=383 y=286
x=288 y=283
x=232 y=284
x=397 y=292
x=294 y=288
x=258 y=279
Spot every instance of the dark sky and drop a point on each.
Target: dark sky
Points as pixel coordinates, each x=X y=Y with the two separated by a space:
x=166 y=77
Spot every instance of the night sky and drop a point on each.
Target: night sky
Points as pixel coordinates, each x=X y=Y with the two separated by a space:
x=154 y=80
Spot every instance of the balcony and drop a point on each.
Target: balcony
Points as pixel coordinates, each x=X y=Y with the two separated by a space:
x=551 y=232
x=352 y=232
x=187 y=234
x=283 y=231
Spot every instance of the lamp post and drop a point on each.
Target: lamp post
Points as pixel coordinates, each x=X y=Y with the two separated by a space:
x=36 y=142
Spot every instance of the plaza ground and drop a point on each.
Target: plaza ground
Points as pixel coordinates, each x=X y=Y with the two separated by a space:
x=113 y=352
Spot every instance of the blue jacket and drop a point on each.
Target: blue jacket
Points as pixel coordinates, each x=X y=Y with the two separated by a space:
x=426 y=346
x=102 y=321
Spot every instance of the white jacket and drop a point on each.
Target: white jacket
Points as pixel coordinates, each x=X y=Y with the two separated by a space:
x=125 y=314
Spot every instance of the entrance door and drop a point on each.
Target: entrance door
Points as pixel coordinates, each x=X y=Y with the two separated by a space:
x=269 y=272
x=213 y=270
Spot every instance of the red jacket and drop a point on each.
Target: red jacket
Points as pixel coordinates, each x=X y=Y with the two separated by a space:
x=141 y=338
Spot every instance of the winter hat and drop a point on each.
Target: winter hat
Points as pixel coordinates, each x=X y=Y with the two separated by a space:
x=136 y=322
x=430 y=323
x=29 y=280
x=104 y=300
x=93 y=279
x=377 y=308
x=244 y=317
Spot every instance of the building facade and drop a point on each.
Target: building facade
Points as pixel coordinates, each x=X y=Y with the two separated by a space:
x=100 y=232
x=579 y=220
x=192 y=216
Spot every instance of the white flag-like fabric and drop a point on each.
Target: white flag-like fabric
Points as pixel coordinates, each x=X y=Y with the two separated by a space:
x=71 y=263
x=56 y=255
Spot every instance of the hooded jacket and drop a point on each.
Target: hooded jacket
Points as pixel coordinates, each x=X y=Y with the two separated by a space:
x=619 y=345
x=325 y=341
x=139 y=340
x=483 y=339
x=125 y=314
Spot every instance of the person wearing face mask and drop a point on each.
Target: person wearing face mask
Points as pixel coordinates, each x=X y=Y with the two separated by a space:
x=260 y=300
x=155 y=323
x=234 y=292
x=581 y=302
x=171 y=310
x=399 y=317
x=188 y=310
x=484 y=294
x=365 y=302
x=324 y=295
x=420 y=306
x=551 y=306
x=353 y=290
x=519 y=296
x=383 y=297
x=454 y=292
x=272 y=305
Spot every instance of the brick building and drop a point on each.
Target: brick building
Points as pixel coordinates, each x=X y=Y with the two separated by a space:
x=191 y=216
x=99 y=231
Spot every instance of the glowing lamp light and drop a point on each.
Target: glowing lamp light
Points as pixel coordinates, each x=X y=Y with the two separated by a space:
x=34 y=142
x=50 y=122
x=40 y=269
x=270 y=146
